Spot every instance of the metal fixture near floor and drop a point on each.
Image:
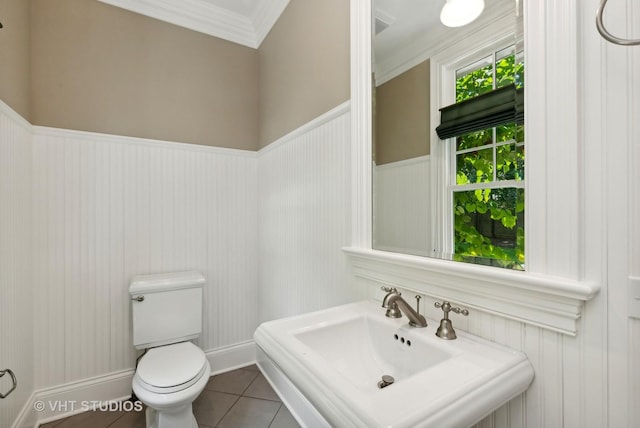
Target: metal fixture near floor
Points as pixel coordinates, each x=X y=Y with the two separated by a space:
x=14 y=382
x=394 y=304
x=446 y=331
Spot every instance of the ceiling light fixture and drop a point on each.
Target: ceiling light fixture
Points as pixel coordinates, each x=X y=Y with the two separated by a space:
x=456 y=13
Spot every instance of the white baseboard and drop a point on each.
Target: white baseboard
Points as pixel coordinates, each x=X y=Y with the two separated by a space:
x=232 y=357
x=61 y=401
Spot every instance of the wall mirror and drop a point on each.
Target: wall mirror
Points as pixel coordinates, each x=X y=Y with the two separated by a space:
x=559 y=276
x=456 y=195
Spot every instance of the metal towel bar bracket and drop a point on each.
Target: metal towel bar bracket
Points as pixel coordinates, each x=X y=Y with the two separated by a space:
x=13 y=380
x=608 y=36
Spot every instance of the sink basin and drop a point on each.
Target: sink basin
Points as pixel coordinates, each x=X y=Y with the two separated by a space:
x=364 y=348
x=335 y=358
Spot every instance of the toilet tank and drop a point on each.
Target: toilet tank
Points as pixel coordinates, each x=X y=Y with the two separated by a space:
x=166 y=308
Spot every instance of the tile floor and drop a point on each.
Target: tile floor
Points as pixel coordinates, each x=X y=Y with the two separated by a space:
x=237 y=399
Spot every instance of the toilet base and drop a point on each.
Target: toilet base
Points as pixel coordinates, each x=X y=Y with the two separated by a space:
x=181 y=416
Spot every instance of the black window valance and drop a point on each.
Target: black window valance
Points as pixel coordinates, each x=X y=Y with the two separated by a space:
x=498 y=107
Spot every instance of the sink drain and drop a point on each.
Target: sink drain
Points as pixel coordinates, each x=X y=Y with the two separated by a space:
x=386 y=381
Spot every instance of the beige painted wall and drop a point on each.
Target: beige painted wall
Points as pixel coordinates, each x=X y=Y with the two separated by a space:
x=304 y=66
x=89 y=66
x=14 y=55
x=100 y=68
x=402 y=116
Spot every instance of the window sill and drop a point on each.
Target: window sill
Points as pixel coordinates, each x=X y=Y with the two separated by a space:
x=548 y=302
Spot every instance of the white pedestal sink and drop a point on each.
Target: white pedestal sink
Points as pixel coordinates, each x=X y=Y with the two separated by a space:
x=326 y=367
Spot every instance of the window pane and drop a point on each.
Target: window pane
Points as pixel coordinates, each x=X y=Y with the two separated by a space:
x=489 y=224
x=506 y=52
x=510 y=162
x=509 y=132
x=474 y=80
x=474 y=167
x=505 y=67
x=474 y=139
x=519 y=70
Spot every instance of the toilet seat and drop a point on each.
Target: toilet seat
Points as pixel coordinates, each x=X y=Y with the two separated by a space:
x=171 y=368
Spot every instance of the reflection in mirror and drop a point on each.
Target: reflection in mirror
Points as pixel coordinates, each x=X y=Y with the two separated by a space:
x=473 y=177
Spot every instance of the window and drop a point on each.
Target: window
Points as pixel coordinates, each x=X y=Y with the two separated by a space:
x=487 y=167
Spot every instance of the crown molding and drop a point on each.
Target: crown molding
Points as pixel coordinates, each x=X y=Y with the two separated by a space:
x=207 y=18
x=265 y=15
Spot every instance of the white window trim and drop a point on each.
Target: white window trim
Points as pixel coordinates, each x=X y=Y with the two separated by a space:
x=552 y=293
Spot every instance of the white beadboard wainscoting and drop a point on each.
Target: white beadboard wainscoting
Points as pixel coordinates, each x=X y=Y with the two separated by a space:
x=304 y=218
x=402 y=206
x=16 y=281
x=107 y=208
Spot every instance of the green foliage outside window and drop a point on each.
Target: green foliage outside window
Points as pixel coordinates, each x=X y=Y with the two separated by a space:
x=489 y=222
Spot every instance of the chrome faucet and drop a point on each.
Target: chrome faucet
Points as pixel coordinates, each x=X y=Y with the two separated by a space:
x=394 y=304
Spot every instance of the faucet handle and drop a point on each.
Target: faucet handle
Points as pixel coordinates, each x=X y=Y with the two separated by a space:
x=459 y=310
x=389 y=289
x=446 y=331
x=446 y=308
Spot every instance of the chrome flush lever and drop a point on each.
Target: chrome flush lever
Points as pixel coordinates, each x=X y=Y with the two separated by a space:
x=138 y=298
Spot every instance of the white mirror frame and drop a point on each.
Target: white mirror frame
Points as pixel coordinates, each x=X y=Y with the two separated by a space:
x=562 y=259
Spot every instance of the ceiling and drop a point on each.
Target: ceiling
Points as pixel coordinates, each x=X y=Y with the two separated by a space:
x=246 y=22
x=406 y=20
x=413 y=32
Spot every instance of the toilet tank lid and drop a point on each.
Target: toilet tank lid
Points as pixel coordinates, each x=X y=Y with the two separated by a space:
x=165 y=281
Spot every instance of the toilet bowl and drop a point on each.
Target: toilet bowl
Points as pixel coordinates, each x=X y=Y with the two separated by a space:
x=167 y=314
x=167 y=380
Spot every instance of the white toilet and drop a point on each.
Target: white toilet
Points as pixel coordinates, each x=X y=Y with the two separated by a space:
x=167 y=313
